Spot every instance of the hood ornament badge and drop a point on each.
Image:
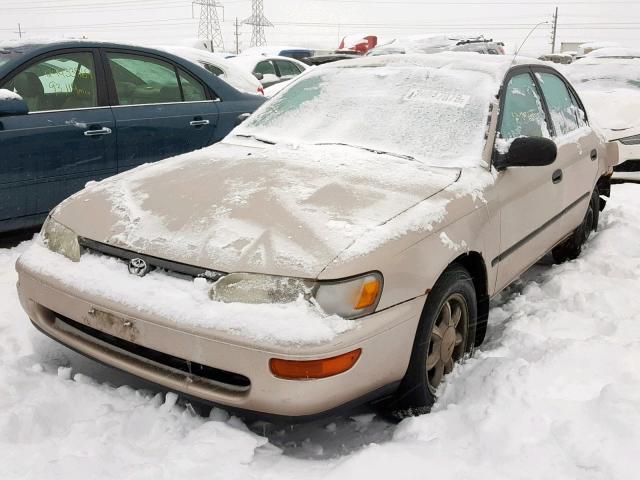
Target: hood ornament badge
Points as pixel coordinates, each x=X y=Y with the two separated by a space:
x=137 y=266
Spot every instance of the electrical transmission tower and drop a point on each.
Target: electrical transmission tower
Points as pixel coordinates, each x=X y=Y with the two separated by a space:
x=209 y=28
x=258 y=21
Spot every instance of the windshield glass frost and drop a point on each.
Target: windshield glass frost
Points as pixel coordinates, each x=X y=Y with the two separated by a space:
x=437 y=116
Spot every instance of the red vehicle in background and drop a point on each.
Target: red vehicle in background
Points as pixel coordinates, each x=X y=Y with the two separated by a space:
x=360 y=44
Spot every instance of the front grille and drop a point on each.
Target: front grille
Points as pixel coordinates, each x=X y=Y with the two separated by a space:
x=229 y=380
x=181 y=269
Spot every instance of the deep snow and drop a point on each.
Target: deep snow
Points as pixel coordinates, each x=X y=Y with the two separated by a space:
x=553 y=393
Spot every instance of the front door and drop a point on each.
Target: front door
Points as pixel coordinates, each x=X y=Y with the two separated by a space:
x=160 y=110
x=530 y=197
x=66 y=140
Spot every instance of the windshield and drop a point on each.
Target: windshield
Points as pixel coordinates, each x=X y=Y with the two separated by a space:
x=606 y=74
x=437 y=116
x=9 y=53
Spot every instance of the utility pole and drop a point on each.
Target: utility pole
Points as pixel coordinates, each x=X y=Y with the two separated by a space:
x=209 y=27
x=555 y=30
x=237 y=34
x=20 y=32
x=258 y=21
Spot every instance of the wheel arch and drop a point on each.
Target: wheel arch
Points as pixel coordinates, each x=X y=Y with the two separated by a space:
x=474 y=263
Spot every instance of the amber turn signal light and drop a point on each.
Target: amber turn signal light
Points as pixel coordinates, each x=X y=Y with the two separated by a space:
x=368 y=294
x=309 y=369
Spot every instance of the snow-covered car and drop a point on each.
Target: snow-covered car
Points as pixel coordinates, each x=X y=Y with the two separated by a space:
x=608 y=80
x=437 y=43
x=339 y=246
x=269 y=70
x=220 y=66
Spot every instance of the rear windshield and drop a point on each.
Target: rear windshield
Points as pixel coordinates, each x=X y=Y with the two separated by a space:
x=9 y=53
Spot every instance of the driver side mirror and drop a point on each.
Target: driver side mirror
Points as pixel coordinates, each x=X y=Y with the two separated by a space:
x=527 y=152
x=258 y=75
x=12 y=104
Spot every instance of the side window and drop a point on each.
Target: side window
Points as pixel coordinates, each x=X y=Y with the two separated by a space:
x=192 y=90
x=287 y=69
x=522 y=114
x=582 y=116
x=564 y=114
x=265 y=68
x=213 y=69
x=143 y=80
x=61 y=82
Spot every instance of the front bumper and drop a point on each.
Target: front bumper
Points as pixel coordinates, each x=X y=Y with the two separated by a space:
x=386 y=340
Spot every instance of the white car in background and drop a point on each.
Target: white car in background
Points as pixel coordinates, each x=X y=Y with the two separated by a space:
x=269 y=70
x=220 y=65
x=608 y=81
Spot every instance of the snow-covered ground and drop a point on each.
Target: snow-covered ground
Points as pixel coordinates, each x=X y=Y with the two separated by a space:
x=553 y=393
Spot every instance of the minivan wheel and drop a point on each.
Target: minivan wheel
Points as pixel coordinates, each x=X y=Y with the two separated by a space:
x=570 y=249
x=446 y=332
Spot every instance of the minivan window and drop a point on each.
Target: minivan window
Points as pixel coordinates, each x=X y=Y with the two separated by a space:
x=59 y=82
x=523 y=114
x=563 y=112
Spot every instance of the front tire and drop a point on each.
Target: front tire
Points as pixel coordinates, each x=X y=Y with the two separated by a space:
x=571 y=248
x=446 y=332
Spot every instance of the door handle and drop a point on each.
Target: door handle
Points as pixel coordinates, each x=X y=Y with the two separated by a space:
x=97 y=132
x=557 y=176
x=594 y=154
x=198 y=123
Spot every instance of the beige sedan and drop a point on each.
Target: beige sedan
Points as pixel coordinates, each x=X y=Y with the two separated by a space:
x=340 y=246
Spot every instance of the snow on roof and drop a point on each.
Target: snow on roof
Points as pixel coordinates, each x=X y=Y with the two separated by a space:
x=614 y=52
x=9 y=95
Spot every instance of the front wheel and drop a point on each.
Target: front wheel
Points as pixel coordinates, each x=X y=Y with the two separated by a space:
x=446 y=332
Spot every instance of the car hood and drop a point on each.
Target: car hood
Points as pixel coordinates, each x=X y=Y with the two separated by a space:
x=242 y=207
x=615 y=112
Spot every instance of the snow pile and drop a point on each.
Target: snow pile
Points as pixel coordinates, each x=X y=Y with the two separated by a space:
x=553 y=393
x=169 y=300
x=9 y=95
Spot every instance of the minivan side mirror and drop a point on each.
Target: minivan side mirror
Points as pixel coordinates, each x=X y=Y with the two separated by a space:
x=527 y=152
x=12 y=104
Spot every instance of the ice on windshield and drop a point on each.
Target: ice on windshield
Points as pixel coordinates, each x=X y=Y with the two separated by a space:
x=436 y=115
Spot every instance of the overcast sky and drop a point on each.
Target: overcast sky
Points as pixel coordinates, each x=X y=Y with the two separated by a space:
x=322 y=23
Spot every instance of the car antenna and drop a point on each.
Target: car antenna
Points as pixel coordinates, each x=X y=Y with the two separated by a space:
x=527 y=38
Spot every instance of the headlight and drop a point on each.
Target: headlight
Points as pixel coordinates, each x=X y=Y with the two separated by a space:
x=351 y=298
x=635 y=140
x=60 y=239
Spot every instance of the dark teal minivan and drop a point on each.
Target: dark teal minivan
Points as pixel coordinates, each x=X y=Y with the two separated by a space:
x=88 y=110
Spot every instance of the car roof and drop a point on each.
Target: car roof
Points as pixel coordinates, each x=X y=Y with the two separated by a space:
x=41 y=47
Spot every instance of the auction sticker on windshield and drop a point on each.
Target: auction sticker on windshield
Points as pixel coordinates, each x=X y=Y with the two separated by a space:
x=435 y=96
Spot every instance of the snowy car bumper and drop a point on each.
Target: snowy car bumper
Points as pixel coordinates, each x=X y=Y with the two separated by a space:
x=209 y=364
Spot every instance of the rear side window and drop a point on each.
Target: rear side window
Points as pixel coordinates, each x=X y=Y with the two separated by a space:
x=141 y=80
x=265 y=68
x=60 y=82
x=564 y=113
x=192 y=90
x=213 y=69
x=522 y=114
x=287 y=69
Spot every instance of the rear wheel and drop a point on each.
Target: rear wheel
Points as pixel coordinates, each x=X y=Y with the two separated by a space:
x=570 y=249
x=445 y=334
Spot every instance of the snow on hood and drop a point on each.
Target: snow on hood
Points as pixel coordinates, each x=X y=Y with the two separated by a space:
x=271 y=209
x=615 y=111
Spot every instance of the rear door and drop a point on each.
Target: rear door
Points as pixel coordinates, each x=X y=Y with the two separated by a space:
x=160 y=109
x=66 y=139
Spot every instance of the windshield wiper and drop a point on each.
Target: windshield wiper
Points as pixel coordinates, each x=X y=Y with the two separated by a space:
x=263 y=140
x=368 y=149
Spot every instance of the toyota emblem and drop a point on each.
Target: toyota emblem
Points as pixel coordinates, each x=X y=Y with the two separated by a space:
x=138 y=266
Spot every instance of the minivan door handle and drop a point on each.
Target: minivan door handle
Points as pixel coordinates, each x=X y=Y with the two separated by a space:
x=557 y=176
x=594 y=154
